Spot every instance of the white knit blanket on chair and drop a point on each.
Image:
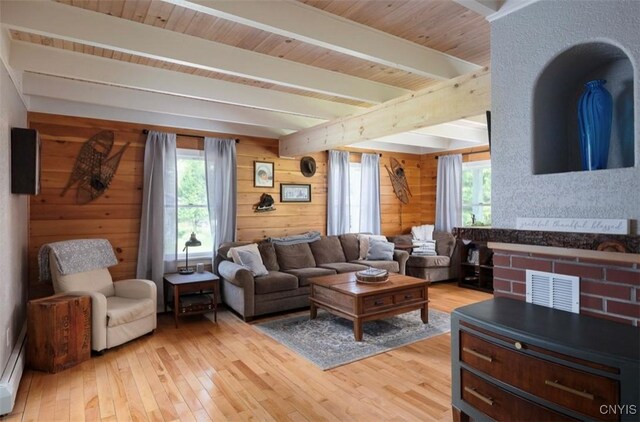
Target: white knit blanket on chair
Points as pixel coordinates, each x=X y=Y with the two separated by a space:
x=76 y=256
x=423 y=240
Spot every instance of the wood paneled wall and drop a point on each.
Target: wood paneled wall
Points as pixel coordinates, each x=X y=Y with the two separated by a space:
x=428 y=176
x=116 y=215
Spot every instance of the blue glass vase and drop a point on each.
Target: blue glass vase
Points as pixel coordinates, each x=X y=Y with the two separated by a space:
x=594 y=120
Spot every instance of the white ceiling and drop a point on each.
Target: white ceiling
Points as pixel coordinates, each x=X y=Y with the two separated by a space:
x=56 y=80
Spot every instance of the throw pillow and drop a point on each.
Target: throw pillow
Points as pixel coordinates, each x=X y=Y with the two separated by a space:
x=365 y=239
x=250 y=246
x=380 y=251
x=252 y=262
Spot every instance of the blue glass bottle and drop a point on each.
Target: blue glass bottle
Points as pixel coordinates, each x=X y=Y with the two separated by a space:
x=594 y=120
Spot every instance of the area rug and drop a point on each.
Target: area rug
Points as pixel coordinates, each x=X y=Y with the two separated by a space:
x=328 y=342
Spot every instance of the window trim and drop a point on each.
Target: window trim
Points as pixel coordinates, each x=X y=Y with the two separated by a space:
x=190 y=154
x=478 y=166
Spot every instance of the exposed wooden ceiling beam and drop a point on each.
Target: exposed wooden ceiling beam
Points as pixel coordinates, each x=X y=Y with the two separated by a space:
x=453 y=130
x=481 y=7
x=317 y=27
x=464 y=96
x=95 y=111
x=74 y=24
x=57 y=62
x=387 y=146
x=416 y=140
x=87 y=92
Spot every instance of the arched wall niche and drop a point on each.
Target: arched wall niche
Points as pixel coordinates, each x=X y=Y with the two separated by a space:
x=556 y=144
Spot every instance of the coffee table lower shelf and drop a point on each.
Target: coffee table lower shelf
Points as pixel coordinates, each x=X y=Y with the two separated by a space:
x=343 y=296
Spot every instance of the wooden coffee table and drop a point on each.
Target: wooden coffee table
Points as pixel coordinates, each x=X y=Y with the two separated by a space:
x=342 y=295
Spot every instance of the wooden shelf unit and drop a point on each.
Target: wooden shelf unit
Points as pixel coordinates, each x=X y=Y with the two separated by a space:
x=477 y=276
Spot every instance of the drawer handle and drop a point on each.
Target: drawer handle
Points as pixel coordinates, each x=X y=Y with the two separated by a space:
x=408 y=296
x=556 y=384
x=478 y=355
x=479 y=396
x=378 y=302
x=518 y=345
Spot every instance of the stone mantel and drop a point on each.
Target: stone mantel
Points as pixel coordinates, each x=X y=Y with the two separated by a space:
x=612 y=244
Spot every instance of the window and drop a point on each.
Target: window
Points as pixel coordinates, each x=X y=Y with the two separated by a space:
x=476 y=193
x=193 y=212
x=354 y=197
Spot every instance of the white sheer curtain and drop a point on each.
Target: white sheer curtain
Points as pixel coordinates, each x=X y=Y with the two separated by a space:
x=449 y=192
x=370 y=194
x=157 y=250
x=338 y=193
x=220 y=167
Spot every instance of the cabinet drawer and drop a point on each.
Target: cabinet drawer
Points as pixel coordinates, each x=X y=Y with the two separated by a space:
x=412 y=295
x=574 y=389
x=374 y=303
x=500 y=404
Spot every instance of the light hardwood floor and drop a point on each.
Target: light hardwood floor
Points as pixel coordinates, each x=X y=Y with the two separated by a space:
x=230 y=371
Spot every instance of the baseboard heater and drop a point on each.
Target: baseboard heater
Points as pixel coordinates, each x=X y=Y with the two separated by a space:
x=10 y=379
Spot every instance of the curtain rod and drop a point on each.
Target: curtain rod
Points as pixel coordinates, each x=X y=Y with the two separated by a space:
x=146 y=131
x=466 y=153
x=357 y=152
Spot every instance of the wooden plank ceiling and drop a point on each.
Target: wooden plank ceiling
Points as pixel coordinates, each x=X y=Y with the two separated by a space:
x=444 y=26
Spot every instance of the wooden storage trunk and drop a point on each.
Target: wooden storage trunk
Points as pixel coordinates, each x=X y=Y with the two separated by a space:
x=58 y=332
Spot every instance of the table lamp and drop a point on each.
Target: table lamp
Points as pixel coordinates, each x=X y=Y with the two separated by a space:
x=191 y=242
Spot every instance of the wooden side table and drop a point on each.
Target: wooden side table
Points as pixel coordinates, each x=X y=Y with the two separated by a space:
x=58 y=332
x=192 y=294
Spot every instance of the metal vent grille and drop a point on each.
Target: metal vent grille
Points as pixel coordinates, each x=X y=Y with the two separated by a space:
x=556 y=291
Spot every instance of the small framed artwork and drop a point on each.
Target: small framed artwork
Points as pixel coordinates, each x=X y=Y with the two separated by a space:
x=290 y=192
x=262 y=174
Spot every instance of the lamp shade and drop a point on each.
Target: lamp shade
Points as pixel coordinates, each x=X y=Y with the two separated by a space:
x=192 y=241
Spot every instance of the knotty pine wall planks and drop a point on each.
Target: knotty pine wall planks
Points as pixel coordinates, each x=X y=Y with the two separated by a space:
x=116 y=215
x=428 y=176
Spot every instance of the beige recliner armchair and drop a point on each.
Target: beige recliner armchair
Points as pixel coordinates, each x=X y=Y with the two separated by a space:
x=121 y=311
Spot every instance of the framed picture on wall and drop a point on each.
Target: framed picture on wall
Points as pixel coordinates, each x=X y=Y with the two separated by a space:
x=262 y=174
x=290 y=192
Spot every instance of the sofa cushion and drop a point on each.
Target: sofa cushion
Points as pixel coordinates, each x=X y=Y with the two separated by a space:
x=121 y=310
x=344 y=267
x=445 y=243
x=275 y=281
x=327 y=250
x=428 y=261
x=291 y=257
x=269 y=257
x=304 y=274
x=391 y=266
x=380 y=251
x=94 y=281
x=350 y=246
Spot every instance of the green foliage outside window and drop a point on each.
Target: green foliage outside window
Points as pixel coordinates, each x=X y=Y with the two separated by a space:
x=476 y=195
x=193 y=212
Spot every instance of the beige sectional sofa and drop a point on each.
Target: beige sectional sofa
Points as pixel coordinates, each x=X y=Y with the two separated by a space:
x=286 y=286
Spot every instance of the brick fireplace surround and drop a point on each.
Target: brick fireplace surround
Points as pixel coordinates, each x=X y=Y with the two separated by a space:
x=609 y=281
x=608 y=289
